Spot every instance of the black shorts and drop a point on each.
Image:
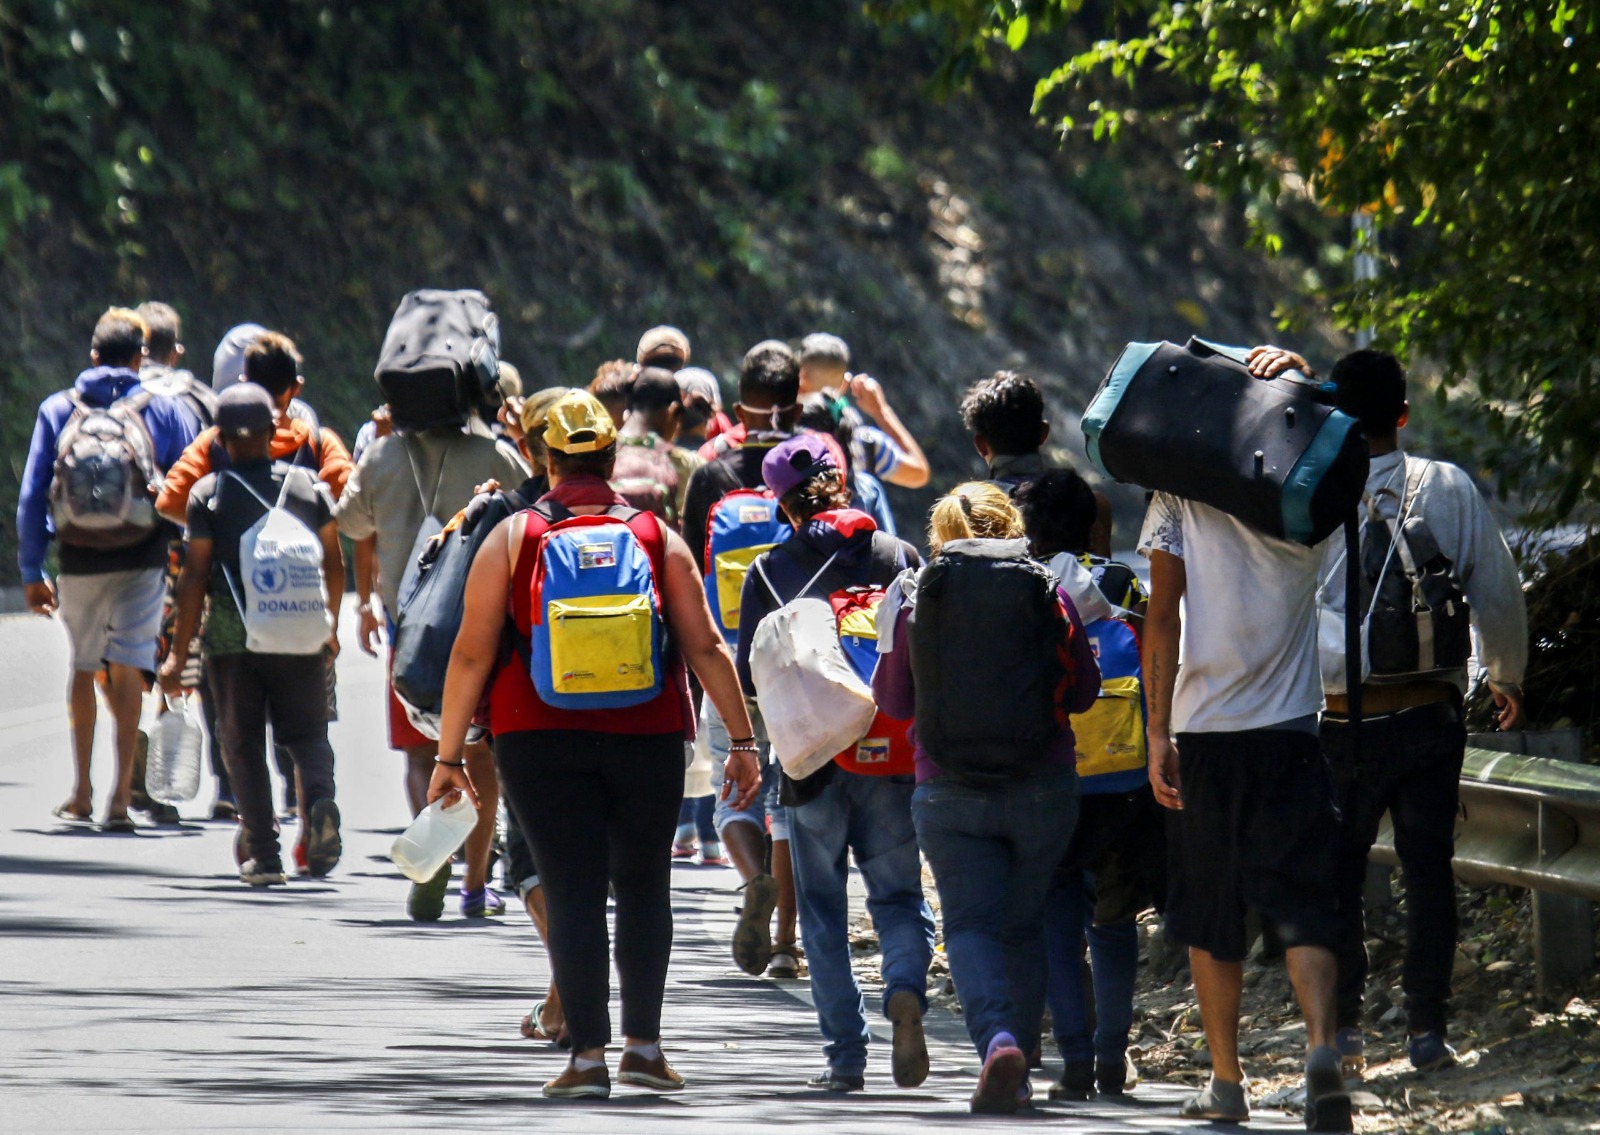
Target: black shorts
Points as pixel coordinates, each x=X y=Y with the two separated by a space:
x=1258 y=830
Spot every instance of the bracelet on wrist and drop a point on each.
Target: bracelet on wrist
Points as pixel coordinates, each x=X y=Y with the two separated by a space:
x=742 y=740
x=449 y=764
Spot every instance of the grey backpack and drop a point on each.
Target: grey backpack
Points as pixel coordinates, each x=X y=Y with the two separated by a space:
x=104 y=487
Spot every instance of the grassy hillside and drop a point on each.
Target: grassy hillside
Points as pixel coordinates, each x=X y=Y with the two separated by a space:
x=764 y=169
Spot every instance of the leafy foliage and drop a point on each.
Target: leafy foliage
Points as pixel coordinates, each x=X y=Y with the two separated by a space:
x=1464 y=128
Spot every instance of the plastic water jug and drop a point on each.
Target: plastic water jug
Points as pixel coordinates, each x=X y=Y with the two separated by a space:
x=432 y=838
x=172 y=770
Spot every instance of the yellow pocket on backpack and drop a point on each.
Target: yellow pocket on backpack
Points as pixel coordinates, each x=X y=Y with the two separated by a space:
x=601 y=644
x=730 y=568
x=1110 y=734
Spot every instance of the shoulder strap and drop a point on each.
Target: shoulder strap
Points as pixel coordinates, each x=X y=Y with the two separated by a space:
x=136 y=402
x=229 y=474
x=428 y=504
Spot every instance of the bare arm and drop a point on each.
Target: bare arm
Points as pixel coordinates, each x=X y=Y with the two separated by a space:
x=366 y=569
x=333 y=574
x=1163 y=627
x=912 y=472
x=191 y=597
x=1100 y=532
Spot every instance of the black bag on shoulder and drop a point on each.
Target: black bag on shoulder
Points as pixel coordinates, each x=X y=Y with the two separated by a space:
x=440 y=358
x=988 y=655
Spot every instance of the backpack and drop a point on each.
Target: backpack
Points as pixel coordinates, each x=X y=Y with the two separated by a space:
x=886 y=749
x=646 y=477
x=813 y=701
x=1110 y=734
x=598 y=638
x=1194 y=422
x=740 y=526
x=1417 y=624
x=103 y=488
x=307 y=457
x=182 y=386
x=430 y=610
x=284 y=600
x=440 y=359
x=991 y=659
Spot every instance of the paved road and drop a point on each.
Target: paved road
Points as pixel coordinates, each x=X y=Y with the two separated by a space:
x=142 y=988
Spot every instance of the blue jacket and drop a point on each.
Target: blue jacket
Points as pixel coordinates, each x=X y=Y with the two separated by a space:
x=171 y=429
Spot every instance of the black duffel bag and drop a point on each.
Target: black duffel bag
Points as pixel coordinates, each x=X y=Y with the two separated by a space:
x=440 y=359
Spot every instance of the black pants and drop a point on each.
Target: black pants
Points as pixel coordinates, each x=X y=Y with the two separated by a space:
x=288 y=690
x=599 y=808
x=1409 y=766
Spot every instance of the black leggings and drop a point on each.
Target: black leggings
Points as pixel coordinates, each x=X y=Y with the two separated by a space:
x=600 y=808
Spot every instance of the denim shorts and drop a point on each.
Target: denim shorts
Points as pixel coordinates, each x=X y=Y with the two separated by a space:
x=765 y=811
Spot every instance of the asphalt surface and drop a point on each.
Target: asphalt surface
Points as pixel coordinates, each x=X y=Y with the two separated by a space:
x=142 y=988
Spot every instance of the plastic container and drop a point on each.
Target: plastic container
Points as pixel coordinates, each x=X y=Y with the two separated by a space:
x=433 y=838
x=172 y=769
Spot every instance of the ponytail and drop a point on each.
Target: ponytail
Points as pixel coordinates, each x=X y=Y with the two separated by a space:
x=977 y=509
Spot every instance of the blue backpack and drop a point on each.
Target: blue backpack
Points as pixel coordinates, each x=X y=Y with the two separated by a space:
x=741 y=526
x=598 y=638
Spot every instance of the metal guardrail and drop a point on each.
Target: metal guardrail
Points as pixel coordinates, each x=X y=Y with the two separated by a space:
x=1534 y=822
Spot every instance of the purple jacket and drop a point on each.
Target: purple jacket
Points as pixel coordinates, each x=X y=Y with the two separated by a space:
x=896 y=691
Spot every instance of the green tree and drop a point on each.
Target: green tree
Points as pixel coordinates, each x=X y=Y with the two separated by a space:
x=1465 y=128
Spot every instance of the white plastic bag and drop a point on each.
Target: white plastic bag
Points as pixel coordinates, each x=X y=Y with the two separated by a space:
x=285 y=597
x=814 y=703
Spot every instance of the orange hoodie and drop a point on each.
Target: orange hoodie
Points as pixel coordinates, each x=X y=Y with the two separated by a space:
x=334 y=467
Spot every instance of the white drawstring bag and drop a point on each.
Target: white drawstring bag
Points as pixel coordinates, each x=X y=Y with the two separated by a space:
x=284 y=603
x=813 y=702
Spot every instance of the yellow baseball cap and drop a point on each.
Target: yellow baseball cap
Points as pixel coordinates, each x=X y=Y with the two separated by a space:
x=577 y=423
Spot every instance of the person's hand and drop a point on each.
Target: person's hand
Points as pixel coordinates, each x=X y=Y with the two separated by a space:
x=170 y=676
x=450 y=782
x=382 y=422
x=511 y=418
x=1164 y=771
x=1509 y=701
x=40 y=597
x=1269 y=362
x=331 y=647
x=369 y=633
x=489 y=486
x=868 y=393
x=741 y=771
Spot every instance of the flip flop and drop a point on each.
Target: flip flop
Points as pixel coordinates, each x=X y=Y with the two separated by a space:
x=532 y=1030
x=71 y=817
x=119 y=825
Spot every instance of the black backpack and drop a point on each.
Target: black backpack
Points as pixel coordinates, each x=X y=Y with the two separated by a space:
x=440 y=359
x=988 y=641
x=1194 y=422
x=1421 y=626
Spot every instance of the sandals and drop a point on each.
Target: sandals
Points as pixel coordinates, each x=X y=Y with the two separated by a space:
x=119 y=825
x=533 y=1030
x=65 y=812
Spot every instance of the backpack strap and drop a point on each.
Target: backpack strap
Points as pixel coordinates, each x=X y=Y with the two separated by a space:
x=801 y=594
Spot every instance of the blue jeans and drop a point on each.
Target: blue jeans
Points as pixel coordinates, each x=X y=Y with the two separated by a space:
x=871 y=817
x=1113 y=966
x=993 y=852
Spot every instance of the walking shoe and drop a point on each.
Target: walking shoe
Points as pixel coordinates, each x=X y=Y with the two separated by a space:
x=163 y=814
x=224 y=809
x=1327 y=1102
x=711 y=855
x=301 y=865
x=643 y=1072
x=1429 y=1052
x=573 y=1083
x=481 y=903
x=830 y=1081
x=426 y=901
x=788 y=961
x=322 y=843
x=1220 y=1102
x=1352 y=1052
x=1113 y=1079
x=682 y=849
x=1000 y=1083
x=1076 y=1083
x=266 y=871
x=910 y=1048
x=752 y=937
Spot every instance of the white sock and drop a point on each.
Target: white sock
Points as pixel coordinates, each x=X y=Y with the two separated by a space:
x=583 y=1065
x=651 y=1051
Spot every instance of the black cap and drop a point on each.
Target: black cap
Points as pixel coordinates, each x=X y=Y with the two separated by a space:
x=246 y=410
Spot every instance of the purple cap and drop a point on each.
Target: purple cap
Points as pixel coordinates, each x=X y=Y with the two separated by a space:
x=794 y=461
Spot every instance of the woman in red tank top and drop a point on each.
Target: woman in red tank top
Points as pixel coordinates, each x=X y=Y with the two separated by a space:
x=596 y=792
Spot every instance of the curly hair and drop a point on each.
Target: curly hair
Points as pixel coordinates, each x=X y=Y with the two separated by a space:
x=1007 y=411
x=823 y=491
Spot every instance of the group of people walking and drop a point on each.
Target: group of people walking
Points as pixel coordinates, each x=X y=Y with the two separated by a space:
x=1064 y=747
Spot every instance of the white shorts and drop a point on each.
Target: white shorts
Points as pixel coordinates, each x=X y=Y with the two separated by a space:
x=113 y=617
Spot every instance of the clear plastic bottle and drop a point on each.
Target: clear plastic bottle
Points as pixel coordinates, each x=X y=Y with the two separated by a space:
x=432 y=838
x=172 y=772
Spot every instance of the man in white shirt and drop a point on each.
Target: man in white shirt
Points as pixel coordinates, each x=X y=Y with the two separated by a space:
x=1233 y=750
x=1413 y=737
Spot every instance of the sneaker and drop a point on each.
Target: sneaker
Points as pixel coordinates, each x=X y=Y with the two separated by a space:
x=1327 y=1102
x=426 y=901
x=266 y=871
x=642 y=1072
x=224 y=809
x=910 y=1046
x=1114 y=1079
x=1000 y=1083
x=323 y=845
x=1352 y=1052
x=1220 y=1102
x=1076 y=1083
x=573 y=1083
x=786 y=963
x=829 y=1080
x=1429 y=1052
x=752 y=937
x=711 y=856
x=301 y=865
x=481 y=903
x=683 y=850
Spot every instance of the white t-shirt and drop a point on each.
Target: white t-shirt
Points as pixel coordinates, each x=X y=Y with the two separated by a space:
x=1248 y=658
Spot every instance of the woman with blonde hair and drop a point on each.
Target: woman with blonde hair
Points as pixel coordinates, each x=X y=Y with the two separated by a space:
x=989 y=657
